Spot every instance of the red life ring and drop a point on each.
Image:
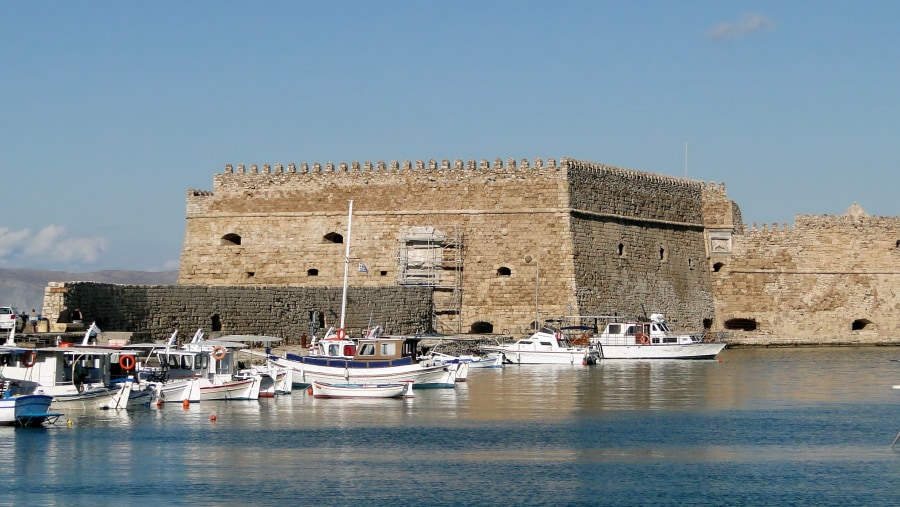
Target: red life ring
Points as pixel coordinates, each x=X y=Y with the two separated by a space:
x=218 y=353
x=29 y=358
x=341 y=334
x=127 y=362
x=643 y=339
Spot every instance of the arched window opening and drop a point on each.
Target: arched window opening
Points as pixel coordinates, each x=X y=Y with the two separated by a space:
x=504 y=271
x=312 y=272
x=481 y=327
x=215 y=323
x=231 y=239
x=621 y=249
x=741 y=324
x=663 y=256
x=333 y=237
x=718 y=266
x=860 y=324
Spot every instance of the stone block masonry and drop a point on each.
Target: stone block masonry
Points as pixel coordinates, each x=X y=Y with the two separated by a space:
x=284 y=312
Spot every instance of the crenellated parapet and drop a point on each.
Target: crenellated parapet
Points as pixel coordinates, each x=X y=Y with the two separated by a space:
x=198 y=201
x=394 y=165
x=654 y=178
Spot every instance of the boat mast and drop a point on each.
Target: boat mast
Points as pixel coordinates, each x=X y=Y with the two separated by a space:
x=341 y=333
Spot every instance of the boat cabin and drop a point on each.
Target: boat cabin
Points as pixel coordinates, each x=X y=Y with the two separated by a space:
x=363 y=353
x=66 y=365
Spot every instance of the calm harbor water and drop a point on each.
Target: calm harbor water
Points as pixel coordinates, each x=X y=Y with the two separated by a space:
x=761 y=427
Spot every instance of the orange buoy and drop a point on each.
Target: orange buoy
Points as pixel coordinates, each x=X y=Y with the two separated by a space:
x=159 y=403
x=212 y=418
x=309 y=390
x=186 y=403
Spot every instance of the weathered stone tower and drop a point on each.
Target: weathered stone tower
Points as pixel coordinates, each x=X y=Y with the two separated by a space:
x=501 y=244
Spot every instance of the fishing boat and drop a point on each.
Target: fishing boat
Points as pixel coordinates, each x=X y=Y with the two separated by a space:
x=369 y=360
x=373 y=359
x=459 y=351
x=201 y=370
x=76 y=376
x=546 y=346
x=346 y=390
x=274 y=380
x=651 y=338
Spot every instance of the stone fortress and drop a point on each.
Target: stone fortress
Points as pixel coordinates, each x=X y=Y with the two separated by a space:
x=493 y=247
x=503 y=244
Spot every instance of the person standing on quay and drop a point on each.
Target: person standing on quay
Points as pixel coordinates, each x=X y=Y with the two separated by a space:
x=32 y=320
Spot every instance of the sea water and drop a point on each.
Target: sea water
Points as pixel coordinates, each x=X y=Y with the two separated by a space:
x=759 y=427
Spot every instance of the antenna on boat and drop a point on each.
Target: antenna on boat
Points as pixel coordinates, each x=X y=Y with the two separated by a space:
x=341 y=333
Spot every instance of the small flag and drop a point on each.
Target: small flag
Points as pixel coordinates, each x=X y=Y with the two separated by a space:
x=363 y=268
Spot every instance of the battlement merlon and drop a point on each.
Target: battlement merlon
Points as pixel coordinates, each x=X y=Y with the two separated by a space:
x=469 y=165
x=393 y=165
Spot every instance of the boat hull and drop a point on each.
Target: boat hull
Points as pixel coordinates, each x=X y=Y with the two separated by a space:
x=116 y=396
x=327 y=390
x=423 y=376
x=547 y=357
x=26 y=410
x=247 y=389
x=700 y=350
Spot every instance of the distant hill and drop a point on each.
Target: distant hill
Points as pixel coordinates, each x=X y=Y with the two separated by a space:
x=24 y=288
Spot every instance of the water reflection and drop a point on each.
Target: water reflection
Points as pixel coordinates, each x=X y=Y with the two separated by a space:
x=623 y=432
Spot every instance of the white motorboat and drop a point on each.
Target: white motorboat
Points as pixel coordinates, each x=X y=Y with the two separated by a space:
x=346 y=390
x=547 y=346
x=644 y=339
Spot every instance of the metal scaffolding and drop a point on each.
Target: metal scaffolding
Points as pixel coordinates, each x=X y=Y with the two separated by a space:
x=430 y=257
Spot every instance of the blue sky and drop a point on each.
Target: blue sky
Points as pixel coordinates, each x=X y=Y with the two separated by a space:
x=111 y=111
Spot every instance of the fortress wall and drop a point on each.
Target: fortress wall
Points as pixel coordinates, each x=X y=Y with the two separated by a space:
x=607 y=190
x=657 y=222
x=810 y=284
x=503 y=214
x=273 y=311
x=539 y=237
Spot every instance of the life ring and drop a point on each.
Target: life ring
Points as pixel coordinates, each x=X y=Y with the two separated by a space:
x=218 y=353
x=341 y=334
x=643 y=339
x=29 y=358
x=127 y=362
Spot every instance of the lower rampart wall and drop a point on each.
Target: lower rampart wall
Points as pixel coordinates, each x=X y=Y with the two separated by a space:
x=283 y=312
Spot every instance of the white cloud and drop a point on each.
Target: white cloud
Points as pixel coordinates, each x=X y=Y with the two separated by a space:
x=748 y=24
x=11 y=241
x=49 y=247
